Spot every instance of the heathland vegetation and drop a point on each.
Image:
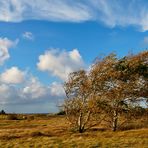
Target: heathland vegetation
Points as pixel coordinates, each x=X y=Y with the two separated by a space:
x=51 y=131
x=105 y=106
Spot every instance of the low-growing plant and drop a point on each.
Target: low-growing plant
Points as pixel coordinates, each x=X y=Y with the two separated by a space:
x=62 y=112
x=12 y=117
x=36 y=134
x=31 y=117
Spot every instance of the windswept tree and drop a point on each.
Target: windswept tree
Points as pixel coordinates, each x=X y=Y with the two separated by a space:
x=79 y=105
x=108 y=89
x=135 y=73
x=112 y=86
x=119 y=82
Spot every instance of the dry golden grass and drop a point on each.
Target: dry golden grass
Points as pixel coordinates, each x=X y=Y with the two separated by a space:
x=53 y=132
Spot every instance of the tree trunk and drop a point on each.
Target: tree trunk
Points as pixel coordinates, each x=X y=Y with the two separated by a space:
x=81 y=129
x=80 y=126
x=115 y=121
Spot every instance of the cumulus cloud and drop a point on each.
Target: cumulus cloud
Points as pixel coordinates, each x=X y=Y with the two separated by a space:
x=34 y=89
x=28 y=36
x=9 y=94
x=12 y=76
x=30 y=91
x=5 y=45
x=111 y=12
x=56 y=89
x=60 y=63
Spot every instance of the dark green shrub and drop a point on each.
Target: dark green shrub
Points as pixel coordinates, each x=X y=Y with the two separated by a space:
x=61 y=112
x=2 y=112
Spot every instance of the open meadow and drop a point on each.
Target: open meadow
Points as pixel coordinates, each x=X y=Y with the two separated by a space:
x=52 y=131
x=73 y=73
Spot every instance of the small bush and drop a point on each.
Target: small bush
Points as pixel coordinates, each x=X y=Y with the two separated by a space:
x=12 y=117
x=30 y=117
x=61 y=112
x=2 y=112
x=24 y=117
x=36 y=134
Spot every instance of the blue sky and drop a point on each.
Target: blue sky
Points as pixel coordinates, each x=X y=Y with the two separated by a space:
x=40 y=43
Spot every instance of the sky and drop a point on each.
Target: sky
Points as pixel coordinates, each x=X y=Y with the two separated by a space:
x=42 y=41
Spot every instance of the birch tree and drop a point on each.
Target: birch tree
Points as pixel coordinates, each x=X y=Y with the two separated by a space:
x=120 y=81
x=79 y=104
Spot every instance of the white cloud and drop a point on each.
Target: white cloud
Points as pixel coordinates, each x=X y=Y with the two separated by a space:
x=56 y=89
x=12 y=76
x=145 y=40
x=34 y=89
x=20 y=87
x=8 y=94
x=60 y=63
x=5 y=45
x=75 y=55
x=11 y=10
x=28 y=35
x=30 y=91
x=16 y=10
x=111 y=12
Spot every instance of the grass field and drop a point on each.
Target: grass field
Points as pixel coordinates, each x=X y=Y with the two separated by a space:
x=53 y=132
